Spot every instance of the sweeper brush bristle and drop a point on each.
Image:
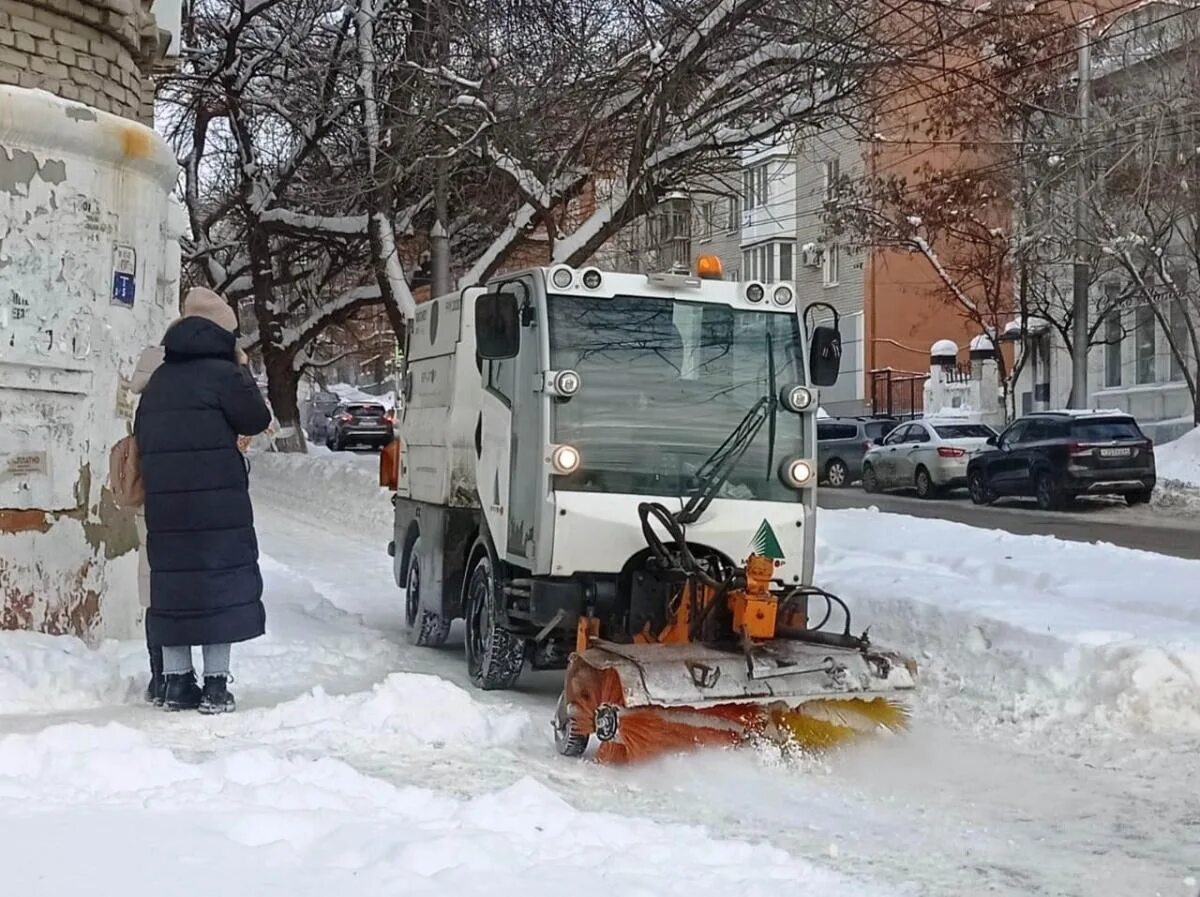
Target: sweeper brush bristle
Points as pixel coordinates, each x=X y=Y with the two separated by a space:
x=647 y=732
x=822 y=724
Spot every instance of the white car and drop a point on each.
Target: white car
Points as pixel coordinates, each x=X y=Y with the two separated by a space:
x=929 y=456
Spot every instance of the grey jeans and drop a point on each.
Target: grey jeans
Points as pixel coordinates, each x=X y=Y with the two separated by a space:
x=177 y=659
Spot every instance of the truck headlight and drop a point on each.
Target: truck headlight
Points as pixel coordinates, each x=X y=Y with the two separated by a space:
x=796 y=472
x=782 y=296
x=796 y=398
x=564 y=459
x=565 y=383
x=755 y=293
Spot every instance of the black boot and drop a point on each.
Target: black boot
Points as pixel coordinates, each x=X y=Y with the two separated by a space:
x=216 y=697
x=156 y=691
x=182 y=692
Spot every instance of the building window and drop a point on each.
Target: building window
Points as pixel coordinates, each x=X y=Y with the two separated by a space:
x=1144 y=342
x=1112 y=349
x=754 y=187
x=832 y=175
x=769 y=262
x=832 y=265
x=733 y=214
x=707 y=214
x=785 y=261
x=1179 y=336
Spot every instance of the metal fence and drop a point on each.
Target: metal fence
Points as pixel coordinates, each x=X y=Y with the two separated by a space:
x=898 y=394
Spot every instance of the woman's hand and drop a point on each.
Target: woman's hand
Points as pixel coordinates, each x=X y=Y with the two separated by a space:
x=243 y=443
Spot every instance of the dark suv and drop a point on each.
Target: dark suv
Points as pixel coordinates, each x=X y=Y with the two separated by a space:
x=1056 y=456
x=842 y=442
x=359 y=423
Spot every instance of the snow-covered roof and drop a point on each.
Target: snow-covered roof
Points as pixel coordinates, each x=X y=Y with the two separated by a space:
x=944 y=347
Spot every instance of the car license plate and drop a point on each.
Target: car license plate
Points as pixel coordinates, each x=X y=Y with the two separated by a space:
x=1115 y=452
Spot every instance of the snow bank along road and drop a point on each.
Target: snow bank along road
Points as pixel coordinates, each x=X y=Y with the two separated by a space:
x=1165 y=530
x=1054 y=749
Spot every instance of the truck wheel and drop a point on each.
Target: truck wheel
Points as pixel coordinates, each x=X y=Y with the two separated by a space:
x=426 y=628
x=495 y=656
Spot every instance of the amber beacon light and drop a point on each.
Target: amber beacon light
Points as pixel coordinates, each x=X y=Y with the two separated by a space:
x=709 y=267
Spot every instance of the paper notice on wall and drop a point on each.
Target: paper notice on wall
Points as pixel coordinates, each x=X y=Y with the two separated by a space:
x=23 y=465
x=124 y=398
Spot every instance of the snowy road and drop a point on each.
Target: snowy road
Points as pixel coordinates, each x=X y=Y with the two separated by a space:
x=1054 y=751
x=1159 y=528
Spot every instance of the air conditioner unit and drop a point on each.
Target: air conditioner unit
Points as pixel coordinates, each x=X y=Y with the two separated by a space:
x=810 y=255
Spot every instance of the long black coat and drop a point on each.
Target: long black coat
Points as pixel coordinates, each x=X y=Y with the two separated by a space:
x=205 y=585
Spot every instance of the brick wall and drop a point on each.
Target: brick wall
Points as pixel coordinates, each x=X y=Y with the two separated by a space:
x=98 y=52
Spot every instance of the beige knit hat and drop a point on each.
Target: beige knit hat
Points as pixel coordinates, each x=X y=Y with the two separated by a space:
x=204 y=303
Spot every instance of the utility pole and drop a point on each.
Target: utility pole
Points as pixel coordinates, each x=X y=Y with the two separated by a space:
x=1079 y=329
x=439 y=234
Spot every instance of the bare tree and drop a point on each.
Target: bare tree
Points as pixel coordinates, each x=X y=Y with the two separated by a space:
x=328 y=142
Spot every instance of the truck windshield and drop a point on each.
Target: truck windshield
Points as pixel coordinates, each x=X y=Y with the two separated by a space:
x=663 y=384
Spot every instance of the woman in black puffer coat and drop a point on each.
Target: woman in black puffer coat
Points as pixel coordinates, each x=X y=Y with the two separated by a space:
x=205 y=585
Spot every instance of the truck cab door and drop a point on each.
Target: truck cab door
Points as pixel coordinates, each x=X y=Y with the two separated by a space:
x=527 y=466
x=508 y=442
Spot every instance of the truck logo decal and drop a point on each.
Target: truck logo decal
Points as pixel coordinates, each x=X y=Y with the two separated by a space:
x=766 y=543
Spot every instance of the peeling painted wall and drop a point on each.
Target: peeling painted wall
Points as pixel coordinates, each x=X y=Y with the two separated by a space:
x=89 y=275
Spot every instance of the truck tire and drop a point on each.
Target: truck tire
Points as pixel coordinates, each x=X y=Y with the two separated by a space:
x=495 y=657
x=426 y=628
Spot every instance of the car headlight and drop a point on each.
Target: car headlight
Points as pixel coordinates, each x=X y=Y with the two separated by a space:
x=796 y=473
x=565 y=459
x=796 y=398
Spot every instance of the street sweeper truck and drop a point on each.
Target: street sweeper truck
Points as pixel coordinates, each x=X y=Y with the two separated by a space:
x=615 y=474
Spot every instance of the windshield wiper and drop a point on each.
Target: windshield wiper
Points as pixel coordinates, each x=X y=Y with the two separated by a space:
x=720 y=464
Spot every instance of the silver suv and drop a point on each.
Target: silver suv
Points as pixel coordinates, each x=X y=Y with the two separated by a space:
x=842 y=442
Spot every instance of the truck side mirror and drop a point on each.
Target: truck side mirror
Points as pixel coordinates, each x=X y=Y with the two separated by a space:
x=825 y=349
x=497 y=326
x=825 y=356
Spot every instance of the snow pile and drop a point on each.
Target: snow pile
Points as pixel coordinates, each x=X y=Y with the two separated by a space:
x=1028 y=610
x=413 y=708
x=336 y=489
x=1025 y=629
x=1180 y=460
x=45 y=673
x=253 y=822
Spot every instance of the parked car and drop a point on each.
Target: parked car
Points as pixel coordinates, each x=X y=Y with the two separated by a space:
x=359 y=423
x=842 y=442
x=1056 y=456
x=317 y=413
x=930 y=456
